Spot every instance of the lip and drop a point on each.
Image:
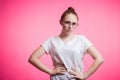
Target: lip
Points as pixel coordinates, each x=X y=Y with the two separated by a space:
x=69 y=30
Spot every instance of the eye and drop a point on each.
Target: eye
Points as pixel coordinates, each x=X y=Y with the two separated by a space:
x=67 y=22
x=74 y=24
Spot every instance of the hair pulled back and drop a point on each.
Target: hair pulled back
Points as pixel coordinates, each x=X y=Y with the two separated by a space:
x=68 y=11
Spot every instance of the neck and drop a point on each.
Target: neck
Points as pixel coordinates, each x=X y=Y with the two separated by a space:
x=63 y=35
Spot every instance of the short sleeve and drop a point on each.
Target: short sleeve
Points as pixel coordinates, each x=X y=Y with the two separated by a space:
x=47 y=45
x=86 y=43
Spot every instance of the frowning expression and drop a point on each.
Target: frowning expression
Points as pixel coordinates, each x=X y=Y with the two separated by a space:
x=69 y=23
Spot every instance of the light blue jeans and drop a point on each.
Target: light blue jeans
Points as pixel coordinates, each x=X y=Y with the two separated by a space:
x=65 y=76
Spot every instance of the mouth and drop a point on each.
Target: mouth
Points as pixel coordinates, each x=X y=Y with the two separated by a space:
x=69 y=30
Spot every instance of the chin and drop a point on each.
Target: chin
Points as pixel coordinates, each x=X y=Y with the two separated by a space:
x=69 y=33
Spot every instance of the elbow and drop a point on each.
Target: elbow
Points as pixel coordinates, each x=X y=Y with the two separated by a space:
x=101 y=60
x=31 y=59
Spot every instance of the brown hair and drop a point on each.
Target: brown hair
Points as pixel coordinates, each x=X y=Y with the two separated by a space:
x=68 y=11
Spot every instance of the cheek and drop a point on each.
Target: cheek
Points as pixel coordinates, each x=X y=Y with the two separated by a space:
x=75 y=27
x=64 y=27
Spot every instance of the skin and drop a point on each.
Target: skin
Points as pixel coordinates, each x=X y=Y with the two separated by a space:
x=66 y=35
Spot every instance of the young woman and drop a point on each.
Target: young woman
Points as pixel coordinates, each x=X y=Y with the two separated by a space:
x=67 y=51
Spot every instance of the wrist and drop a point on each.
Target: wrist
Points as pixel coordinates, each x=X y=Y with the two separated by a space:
x=51 y=72
x=84 y=76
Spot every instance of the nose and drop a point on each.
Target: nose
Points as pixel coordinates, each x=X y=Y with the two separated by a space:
x=70 y=26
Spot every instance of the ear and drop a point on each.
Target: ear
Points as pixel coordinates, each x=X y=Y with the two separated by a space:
x=61 y=22
x=77 y=25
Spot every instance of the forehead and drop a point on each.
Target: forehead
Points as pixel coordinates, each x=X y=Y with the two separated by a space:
x=71 y=17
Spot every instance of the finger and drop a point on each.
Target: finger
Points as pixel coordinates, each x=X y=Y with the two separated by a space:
x=75 y=77
x=61 y=72
x=72 y=72
x=62 y=68
x=73 y=69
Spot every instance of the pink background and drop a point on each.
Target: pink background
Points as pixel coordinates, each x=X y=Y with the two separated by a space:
x=24 y=24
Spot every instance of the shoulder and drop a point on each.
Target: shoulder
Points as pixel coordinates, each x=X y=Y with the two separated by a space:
x=51 y=39
x=48 y=41
x=81 y=37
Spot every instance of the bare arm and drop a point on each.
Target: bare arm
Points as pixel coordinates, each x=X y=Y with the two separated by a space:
x=34 y=59
x=98 y=60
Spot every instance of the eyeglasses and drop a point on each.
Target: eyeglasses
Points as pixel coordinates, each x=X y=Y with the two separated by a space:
x=68 y=23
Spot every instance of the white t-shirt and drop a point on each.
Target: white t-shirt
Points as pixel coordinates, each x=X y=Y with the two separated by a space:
x=69 y=54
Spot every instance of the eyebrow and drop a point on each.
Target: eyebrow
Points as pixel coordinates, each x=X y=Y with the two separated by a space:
x=70 y=21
